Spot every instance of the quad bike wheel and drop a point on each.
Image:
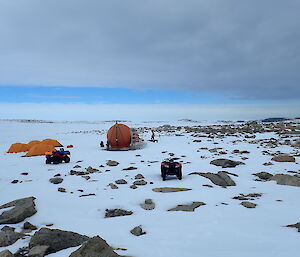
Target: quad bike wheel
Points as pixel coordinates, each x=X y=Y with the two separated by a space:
x=67 y=159
x=48 y=161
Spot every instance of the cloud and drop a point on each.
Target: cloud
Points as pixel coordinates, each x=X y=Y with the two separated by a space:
x=249 y=49
x=141 y=112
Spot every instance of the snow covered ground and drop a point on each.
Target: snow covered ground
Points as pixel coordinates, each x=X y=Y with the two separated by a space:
x=222 y=227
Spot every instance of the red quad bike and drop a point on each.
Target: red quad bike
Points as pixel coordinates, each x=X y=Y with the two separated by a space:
x=170 y=167
x=57 y=157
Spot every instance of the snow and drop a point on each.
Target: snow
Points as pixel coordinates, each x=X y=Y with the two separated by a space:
x=212 y=230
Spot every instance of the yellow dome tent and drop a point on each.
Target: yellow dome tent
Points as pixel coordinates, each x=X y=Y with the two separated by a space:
x=32 y=143
x=53 y=142
x=39 y=149
x=18 y=148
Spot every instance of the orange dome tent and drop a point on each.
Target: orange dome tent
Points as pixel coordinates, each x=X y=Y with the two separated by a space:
x=18 y=148
x=32 y=143
x=119 y=137
x=52 y=142
x=39 y=149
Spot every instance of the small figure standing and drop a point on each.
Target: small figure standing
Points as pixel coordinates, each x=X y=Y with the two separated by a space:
x=153 y=136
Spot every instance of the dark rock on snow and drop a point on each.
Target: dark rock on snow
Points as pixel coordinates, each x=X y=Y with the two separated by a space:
x=56 y=239
x=137 y=231
x=56 y=180
x=94 y=247
x=116 y=213
x=187 y=207
x=8 y=236
x=283 y=158
x=263 y=175
x=288 y=180
x=23 y=208
x=148 y=205
x=226 y=163
x=220 y=178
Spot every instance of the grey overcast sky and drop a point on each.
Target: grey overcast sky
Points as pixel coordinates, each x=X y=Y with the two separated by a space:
x=249 y=48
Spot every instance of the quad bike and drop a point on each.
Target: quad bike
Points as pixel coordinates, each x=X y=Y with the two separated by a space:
x=169 y=167
x=57 y=157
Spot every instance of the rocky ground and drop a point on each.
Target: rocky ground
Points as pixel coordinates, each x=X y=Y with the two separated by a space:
x=238 y=196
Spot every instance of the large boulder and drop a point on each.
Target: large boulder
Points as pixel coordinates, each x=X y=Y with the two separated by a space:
x=263 y=175
x=221 y=178
x=187 y=207
x=23 y=208
x=288 y=180
x=226 y=163
x=94 y=247
x=284 y=158
x=6 y=253
x=56 y=239
x=8 y=236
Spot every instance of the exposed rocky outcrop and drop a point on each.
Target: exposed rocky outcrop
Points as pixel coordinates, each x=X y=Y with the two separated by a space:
x=226 y=163
x=23 y=208
x=116 y=213
x=263 y=175
x=6 y=253
x=221 y=178
x=137 y=231
x=95 y=247
x=56 y=239
x=284 y=158
x=187 y=207
x=287 y=180
x=170 y=189
x=8 y=236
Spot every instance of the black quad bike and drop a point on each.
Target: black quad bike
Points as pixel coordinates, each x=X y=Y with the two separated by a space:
x=170 y=167
x=57 y=157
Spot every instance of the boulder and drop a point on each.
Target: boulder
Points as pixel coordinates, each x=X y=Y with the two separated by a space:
x=140 y=182
x=38 y=251
x=8 y=236
x=121 y=181
x=6 y=253
x=263 y=175
x=283 y=158
x=130 y=168
x=113 y=186
x=116 y=213
x=148 y=205
x=226 y=163
x=23 y=208
x=137 y=231
x=220 y=178
x=187 y=207
x=112 y=163
x=139 y=176
x=170 y=189
x=287 y=180
x=249 y=205
x=94 y=247
x=56 y=239
x=28 y=225
x=56 y=180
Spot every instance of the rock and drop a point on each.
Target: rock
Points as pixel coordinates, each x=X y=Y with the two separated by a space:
x=22 y=252
x=133 y=187
x=288 y=180
x=38 y=251
x=56 y=180
x=140 y=182
x=76 y=166
x=170 y=189
x=28 y=225
x=139 y=176
x=57 y=175
x=6 y=253
x=268 y=163
x=61 y=189
x=130 y=168
x=187 y=207
x=113 y=186
x=148 y=205
x=15 y=181
x=248 y=204
x=263 y=175
x=56 y=239
x=94 y=247
x=116 y=213
x=225 y=163
x=24 y=173
x=220 y=179
x=112 y=163
x=90 y=170
x=8 y=236
x=283 y=158
x=296 y=225
x=121 y=181
x=85 y=195
x=137 y=231
x=23 y=208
